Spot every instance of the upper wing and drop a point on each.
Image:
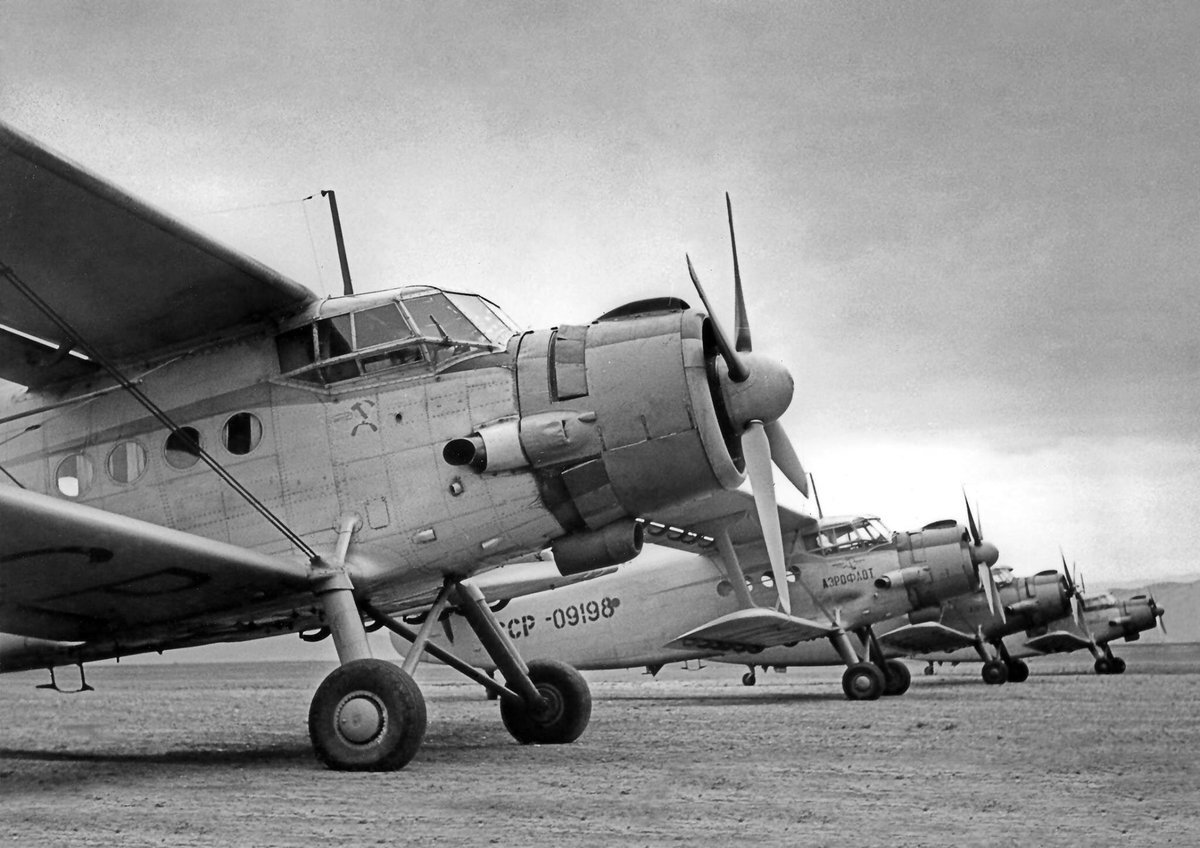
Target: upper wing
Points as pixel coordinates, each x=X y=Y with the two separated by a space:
x=129 y=279
x=694 y=525
x=925 y=638
x=72 y=573
x=751 y=630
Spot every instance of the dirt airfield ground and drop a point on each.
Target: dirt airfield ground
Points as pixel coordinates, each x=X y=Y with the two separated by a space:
x=211 y=755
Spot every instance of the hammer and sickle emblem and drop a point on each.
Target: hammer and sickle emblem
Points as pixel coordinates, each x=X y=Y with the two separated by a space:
x=363 y=408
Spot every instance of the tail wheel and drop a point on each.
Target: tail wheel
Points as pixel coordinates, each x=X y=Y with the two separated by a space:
x=863 y=682
x=367 y=715
x=1018 y=671
x=748 y=679
x=994 y=673
x=898 y=678
x=566 y=713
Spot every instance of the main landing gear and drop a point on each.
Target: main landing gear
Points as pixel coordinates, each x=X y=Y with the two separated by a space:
x=1001 y=667
x=1108 y=663
x=877 y=677
x=369 y=714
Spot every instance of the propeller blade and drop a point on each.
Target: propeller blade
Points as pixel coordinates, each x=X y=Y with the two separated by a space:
x=741 y=323
x=1072 y=591
x=990 y=591
x=976 y=537
x=757 y=450
x=737 y=369
x=784 y=456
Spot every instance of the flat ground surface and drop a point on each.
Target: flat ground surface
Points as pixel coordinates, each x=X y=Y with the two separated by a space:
x=201 y=754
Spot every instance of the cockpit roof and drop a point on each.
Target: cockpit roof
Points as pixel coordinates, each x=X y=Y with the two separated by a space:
x=333 y=306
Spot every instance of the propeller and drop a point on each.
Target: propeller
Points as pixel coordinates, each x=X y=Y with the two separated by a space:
x=1074 y=594
x=1157 y=612
x=983 y=556
x=756 y=391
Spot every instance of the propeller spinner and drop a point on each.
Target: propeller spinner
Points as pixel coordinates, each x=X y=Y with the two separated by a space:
x=756 y=391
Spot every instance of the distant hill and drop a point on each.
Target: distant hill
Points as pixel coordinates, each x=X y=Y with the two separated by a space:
x=1181 y=600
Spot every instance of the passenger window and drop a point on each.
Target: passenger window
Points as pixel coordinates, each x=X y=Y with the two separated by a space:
x=74 y=475
x=127 y=462
x=182 y=448
x=241 y=433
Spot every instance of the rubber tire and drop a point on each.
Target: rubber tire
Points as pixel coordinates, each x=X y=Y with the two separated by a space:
x=1118 y=665
x=1103 y=666
x=749 y=679
x=400 y=702
x=569 y=712
x=863 y=682
x=897 y=680
x=1018 y=671
x=994 y=673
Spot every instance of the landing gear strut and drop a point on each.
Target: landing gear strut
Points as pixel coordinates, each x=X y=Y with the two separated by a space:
x=369 y=715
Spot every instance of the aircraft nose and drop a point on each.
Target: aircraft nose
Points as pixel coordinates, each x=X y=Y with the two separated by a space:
x=764 y=395
x=985 y=553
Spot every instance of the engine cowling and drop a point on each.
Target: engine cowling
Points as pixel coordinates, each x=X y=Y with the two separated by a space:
x=617 y=418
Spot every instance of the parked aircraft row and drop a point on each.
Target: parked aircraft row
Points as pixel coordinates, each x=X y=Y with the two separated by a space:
x=204 y=450
x=673 y=606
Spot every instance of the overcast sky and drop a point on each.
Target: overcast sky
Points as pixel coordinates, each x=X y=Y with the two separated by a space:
x=969 y=230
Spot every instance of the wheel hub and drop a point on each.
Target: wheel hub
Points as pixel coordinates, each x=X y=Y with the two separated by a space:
x=360 y=718
x=861 y=684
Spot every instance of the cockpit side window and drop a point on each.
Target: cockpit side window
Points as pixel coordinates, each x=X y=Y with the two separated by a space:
x=436 y=316
x=379 y=325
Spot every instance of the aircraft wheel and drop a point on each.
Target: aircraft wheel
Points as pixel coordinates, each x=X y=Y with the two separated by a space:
x=898 y=678
x=994 y=673
x=1103 y=666
x=1018 y=671
x=863 y=682
x=566 y=714
x=1118 y=665
x=367 y=715
x=748 y=679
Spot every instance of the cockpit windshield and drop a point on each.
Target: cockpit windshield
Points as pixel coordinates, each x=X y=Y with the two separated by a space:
x=838 y=535
x=417 y=327
x=1104 y=600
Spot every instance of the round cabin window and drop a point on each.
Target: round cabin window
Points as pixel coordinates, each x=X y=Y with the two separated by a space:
x=127 y=462
x=241 y=433
x=74 y=475
x=182 y=448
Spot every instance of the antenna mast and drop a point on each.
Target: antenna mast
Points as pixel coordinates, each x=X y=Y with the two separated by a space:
x=347 y=288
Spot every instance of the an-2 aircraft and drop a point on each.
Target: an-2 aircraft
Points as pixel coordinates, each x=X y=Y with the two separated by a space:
x=207 y=451
x=969 y=622
x=1033 y=628
x=844 y=575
